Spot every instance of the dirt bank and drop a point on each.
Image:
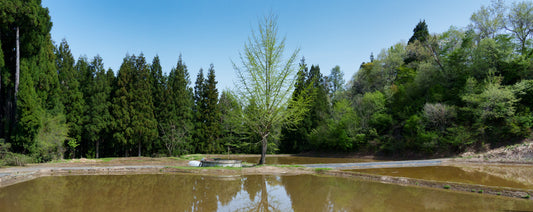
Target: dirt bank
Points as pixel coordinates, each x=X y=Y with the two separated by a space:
x=518 y=153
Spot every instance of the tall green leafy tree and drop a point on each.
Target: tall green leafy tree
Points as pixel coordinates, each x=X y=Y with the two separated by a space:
x=336 y=83
x=71 y=95
x=489 y=20
x=267 y=78
x=519 y=22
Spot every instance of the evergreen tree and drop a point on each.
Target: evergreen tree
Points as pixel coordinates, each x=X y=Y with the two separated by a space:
x=122 y=108
x=420 y=32
x=99 y=102
x=85 y=77
x=230 y=123
x=143 y=122
x=199 y=137
x=25 y=37
x=158 y=84
x=293 y=138
x=212 y=113
x=182 y=102
x=319 y=108
x=71 y=95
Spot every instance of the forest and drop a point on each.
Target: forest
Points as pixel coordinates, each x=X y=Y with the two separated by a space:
x=438 y=94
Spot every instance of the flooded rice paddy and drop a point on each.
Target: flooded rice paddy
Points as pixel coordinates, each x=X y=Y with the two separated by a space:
x=513 y=176
x=294 y=160
x=185 y=192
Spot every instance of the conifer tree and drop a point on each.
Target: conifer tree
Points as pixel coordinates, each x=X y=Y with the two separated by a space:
x=181 y=113
x=420 y=32
x=293 y=138
x=71 y=95
x=158 y=83
x=99 y=102
x=212 y=113
x=122 y=108
x=143 y=121
x=230 y=123
x=199 y=137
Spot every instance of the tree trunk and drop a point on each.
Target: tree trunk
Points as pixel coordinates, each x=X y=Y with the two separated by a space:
x=17 y=66
x=263 y=149
x=264 y=196
x=97 y=148
x=139 y=148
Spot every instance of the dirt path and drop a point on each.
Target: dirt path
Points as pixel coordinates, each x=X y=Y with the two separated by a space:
x=387 y=164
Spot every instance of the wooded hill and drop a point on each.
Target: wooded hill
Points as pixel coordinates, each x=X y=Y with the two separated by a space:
x=465 y=88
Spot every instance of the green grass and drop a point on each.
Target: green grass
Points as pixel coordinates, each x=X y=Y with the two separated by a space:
x=285 y=166
x=192 y=157
x=106 y=159
x=322 y=169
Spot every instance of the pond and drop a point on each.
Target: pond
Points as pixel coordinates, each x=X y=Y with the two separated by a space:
x=294 y=160
x=514 y=176
x=184 y=192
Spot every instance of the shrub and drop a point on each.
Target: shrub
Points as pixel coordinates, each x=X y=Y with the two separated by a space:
x=15 y=159
x=8 y=158
x=438 y=116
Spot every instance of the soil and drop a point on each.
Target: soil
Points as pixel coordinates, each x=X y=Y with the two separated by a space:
x=518 y=153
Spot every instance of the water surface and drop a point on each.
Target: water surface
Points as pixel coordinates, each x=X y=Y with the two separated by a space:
x=294 y=160
x=491 y=175
x=182 y=192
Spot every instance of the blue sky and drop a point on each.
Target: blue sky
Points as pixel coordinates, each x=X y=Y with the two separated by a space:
x=329 y=33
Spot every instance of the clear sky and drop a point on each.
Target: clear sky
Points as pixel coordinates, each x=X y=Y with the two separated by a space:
x=329 y=32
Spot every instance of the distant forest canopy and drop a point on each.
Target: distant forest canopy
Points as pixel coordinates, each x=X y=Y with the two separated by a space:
x=464 y=89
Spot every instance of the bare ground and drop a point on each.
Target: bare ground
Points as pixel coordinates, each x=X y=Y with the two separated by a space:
x=518 y=153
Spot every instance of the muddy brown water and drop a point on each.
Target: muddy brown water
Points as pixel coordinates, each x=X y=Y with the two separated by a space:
x=513 y=176
x=294 y=160
x=185 y=192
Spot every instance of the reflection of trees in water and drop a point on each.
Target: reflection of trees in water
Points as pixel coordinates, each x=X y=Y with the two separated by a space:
x=207 y=193
x=258 y=185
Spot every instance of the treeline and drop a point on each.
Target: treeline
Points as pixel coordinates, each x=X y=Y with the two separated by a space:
x=54 y=106
x=463 y=89
x=441 y=93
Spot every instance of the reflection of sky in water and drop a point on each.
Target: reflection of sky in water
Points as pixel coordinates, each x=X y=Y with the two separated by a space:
x=237 y=193
x=277 y=199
